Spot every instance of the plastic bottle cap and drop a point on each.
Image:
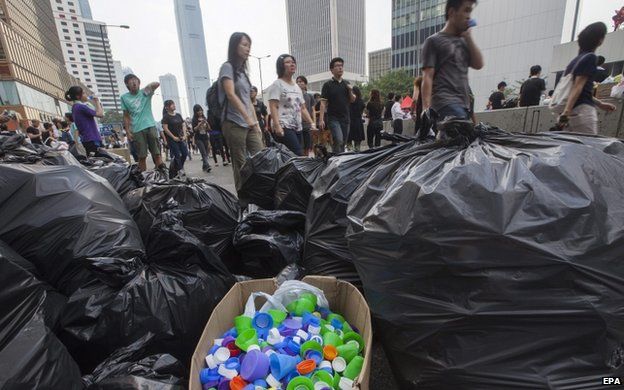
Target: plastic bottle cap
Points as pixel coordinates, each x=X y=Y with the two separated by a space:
x=274 y=337
x=330 y=352
x=326 y=365
x=321 y=386
x=306 y=367
x=221 y=355
x=227 y=373
x=339 y=364
x=297 y=339
x=340 y=333
x=255 y=366
x=270 y=352
x=292 y=323
x=237 y=383
x=210 y=362
x=317 y=338
x=330 y=328
x=346 y=384
x=232 y=364
x=274 y=383
x=314 y=329
x=302 y=333
x=253 y=347
x=314 y=355
x=218 y=342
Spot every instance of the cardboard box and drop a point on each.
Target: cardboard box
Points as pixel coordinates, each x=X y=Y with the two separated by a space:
x=343 y=298
x=603 y=91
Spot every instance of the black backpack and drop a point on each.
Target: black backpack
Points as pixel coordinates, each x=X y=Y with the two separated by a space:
x=215 y=107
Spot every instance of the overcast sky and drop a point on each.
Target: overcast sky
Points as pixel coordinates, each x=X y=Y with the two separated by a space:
x=151 y=48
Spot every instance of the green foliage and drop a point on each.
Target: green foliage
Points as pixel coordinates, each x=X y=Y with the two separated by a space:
x=112 y=117
x=397 y=81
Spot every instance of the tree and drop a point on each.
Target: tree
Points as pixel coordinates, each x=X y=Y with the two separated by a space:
x=112 y=117
x=397 y=81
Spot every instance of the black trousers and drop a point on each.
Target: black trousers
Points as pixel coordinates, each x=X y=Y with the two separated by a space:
x=373 y=133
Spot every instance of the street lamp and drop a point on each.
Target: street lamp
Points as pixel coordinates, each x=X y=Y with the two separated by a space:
x=260 y=67
x=110 y=75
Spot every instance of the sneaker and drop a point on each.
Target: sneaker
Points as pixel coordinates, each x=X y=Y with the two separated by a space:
x=181 y=174
x=226 y=163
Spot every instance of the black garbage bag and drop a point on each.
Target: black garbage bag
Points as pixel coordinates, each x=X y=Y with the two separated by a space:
x=497 y=265
x=290 y=272
x=135 y=367
x=326 y=252
x=258 y=175
x=56 y=216
x=269 y=240
x=294 y=182
x=31 y=356
x=208 y=211
x=122 y=176
x=14 y=148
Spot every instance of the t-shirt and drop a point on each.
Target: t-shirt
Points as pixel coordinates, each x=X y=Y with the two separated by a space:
x=449 y=56
x=201 y=130
x=34 y=130
x=309 y=101
x=84 y=118
x=290 y=100
x=374 y=110
x=497 y=99
x=531 y=92
x=584 y=65
x=175 y=124
x=601 y=74
x=388 y=110
x=337 y=95
x=261 y=113
x=242 y=88
x=139 y=106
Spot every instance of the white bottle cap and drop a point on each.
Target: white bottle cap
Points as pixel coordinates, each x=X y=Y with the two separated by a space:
x=339 y=364
x=297 y=339
x=274 y=337
x=221 y=355
x=330 y=328
x=325 y=364
x=313 y=329
x=345 y=384
x=226 y=372
x=274 y=383
x=302 y=333
x=317 y=338
x=210 y=362
x=321 y=386
x=354 y=342
x=218 y=342
x=269 y=352
x=253 y=347
x=339 y=332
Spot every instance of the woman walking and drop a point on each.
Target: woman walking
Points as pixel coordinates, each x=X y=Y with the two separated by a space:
x=174 y=128
x=202 y=138
x=287 y=105
x=240 y=125
x=356 y=127
x=84 y=116
x=580 y=115
x=374 y=110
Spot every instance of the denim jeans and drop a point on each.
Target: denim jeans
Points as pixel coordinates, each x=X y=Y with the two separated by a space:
x=373 y=133
x=340 y=130
x=204 y=148
x=293 y=140
x=179 y=151
x=454 y=110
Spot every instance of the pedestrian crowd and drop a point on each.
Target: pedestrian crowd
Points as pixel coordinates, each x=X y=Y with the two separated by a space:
x=238 y=124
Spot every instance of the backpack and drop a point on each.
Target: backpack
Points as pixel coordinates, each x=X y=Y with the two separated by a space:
x=559 y=98
x=215 y=106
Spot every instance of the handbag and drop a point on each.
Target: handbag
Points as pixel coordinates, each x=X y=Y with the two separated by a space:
x=562 y=92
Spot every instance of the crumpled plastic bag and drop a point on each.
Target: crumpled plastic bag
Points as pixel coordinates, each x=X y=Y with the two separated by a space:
x=258 y=175
x=269 y=240
x=496 y=263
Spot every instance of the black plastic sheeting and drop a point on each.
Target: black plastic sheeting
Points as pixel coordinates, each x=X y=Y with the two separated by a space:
x=496 y=264
x=258 y=175
x=207 y=211
x=135 y=368
x=326 y=251
x=170 y=295
x=31 y=356
x=269 y=240
x=294 y=182
x=58 y=216
x=14 y=148
x=122 y=176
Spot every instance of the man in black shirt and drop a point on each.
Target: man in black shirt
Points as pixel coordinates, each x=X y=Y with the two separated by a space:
x=336 y=95
x=34 y=133
x=532 y=89
x=388 y=107
x=498 y=98
x=601 y=73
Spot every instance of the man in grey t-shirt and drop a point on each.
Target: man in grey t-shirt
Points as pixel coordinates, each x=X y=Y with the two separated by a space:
x=446 y=58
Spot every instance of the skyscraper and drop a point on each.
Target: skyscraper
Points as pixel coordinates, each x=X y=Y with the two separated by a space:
x=379 y=63
x=193 y=50
x=323 y=29
x=119 y=75
x=32 y=68
x=103 y=67
x=169 y=90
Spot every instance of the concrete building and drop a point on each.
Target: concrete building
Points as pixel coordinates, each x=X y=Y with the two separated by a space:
x=33 y=78
x=323 y=29
x=169 y=90
x=379 y=63
x=513 y=36
x=612 y=50
x=409 y=31
x=119 y=75
x=193 y=51
x=83 y=41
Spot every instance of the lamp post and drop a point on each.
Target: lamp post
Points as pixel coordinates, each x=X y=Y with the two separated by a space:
x=110 y=75
x=260 y=68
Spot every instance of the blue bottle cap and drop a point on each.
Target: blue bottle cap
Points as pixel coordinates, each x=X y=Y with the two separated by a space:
x=336 y=323
x=261 y=383
x=233 y=364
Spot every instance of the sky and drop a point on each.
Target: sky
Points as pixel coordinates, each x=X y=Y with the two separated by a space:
x=151 y=47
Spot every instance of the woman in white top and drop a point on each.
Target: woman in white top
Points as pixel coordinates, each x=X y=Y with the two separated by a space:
x=286 y=102
x=398 y=115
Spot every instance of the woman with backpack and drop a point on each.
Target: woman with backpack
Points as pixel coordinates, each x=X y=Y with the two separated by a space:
x=580 y=115
x=240 y=125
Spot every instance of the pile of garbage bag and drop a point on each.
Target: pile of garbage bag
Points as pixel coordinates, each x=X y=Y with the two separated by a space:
x=258 y=175
x=294 y=182
x=493 y=260
x=269 y=240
